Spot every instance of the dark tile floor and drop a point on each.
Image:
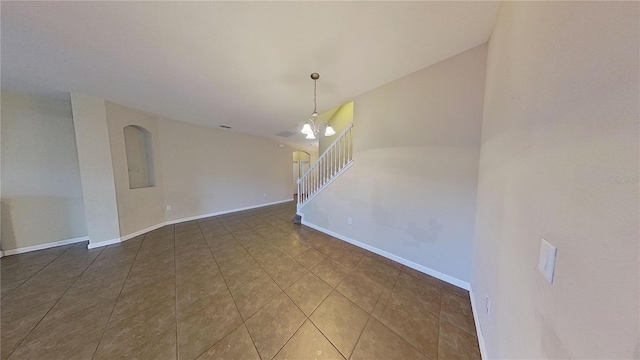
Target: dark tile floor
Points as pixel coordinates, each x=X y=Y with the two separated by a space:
x=248 y=285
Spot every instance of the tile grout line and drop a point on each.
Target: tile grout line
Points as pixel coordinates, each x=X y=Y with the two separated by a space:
x=57 y=300
x=333 y=289
x=228 y=289
x=402 y=337
x=360 y=336
x=257 y=222
x=320 y=330
x=119 y=294
x=439 y=324
x=175 y=270
x=371 y=313
x=153 y=303
x=308 y=270
x=39 y=270
x=270 y=300
x=269 y=275
x=230 y=294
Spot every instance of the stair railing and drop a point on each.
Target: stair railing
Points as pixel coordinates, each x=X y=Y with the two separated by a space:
x=336 y=159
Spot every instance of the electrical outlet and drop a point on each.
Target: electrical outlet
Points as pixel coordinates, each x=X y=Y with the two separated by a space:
x=168 y=207
x=349 y=221
x=488 y=305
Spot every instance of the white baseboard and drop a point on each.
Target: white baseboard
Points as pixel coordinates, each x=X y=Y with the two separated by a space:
x=444 y=277
x=436 y=274
x=171 y=222
x=143 y=231
x=44 y=246
x=103 y=243
x=476 y=319
x=198 y=217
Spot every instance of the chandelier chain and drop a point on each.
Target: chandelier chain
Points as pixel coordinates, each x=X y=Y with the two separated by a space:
x=312 y=126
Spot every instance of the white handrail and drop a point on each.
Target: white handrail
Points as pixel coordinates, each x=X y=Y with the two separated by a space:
x=333 y=161
x=342 y=134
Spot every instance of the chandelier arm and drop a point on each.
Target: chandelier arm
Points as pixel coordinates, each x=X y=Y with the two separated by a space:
x=314 y=127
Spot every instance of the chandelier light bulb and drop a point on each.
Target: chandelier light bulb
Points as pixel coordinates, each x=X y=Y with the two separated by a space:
x=306 y=129
x=310 y=136
x=329 y=131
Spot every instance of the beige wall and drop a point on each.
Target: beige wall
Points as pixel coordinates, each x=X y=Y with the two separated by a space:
x=41 y=191
x=412 y=189
x=140 y=208
x=207 y=170
x=560 y=161
x=198 y=170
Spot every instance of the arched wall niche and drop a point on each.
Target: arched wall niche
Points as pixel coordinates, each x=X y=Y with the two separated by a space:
x=137 y=142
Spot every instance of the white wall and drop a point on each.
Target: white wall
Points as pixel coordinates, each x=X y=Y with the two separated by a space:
x=96 y=171
x=207 y=170
x=560 y=161
x=41 y=191
x=412 y=188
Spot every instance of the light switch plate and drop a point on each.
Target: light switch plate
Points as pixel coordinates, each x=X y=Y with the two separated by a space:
x=547 y=260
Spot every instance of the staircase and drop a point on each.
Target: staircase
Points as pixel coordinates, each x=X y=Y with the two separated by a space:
x=334 y=161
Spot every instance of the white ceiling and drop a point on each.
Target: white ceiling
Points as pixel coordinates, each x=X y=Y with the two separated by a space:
x=243 y=64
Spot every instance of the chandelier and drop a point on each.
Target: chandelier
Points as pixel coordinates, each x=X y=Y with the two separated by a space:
x=311 y=128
